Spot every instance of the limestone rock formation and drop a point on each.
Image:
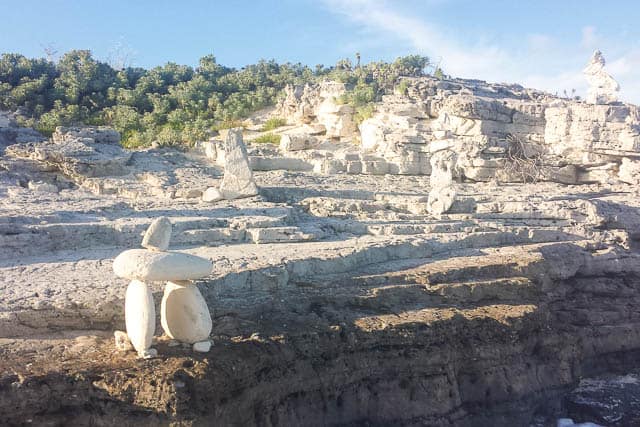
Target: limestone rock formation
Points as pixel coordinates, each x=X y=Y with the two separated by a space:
x=337 y=118
x=488 y=314
x=79 y=153
x=11 y=133
x=297 y=142
x=603 y=88
x=502 y=132
x=238 y=179
x=630 y=171
x=321 y=104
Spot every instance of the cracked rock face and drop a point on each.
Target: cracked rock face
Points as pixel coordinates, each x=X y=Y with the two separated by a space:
x=78 y=153
x=569 y=140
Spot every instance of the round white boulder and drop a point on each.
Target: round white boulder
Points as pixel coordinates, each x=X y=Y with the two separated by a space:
x=184 y=314
x=140 y=316
x=153 y=266
x=211 y=194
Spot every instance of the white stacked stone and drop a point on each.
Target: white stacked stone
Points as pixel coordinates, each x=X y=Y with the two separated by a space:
x=443 y=160
x=603 y=89
x=184 y=313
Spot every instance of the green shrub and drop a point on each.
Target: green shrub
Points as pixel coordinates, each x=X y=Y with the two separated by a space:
x=178 y=104
x=403 y=87
x=273 y=123
x=364 y=112
x=229 y=124
x=267 y=138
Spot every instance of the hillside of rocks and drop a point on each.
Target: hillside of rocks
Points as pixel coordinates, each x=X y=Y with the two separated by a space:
x=339 y=294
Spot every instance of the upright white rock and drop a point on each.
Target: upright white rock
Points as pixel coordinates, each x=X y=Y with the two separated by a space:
x=158 y=235
x=442 y=194
x=603 y=88
x=184 y=313
x=443 y=160
x=140 y=316
x=238 y=178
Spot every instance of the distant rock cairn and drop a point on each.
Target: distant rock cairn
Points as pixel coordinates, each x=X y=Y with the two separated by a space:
x=603 y=89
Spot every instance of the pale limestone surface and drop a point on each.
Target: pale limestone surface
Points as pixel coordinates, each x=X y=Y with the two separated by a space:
x=330 y=210
x=42 y=187
x=630 y=171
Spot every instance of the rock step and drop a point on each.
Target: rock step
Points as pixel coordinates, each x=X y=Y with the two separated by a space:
x=419 y=227
x=216 y=237
x=503 y=289
x=403 y=297
x=462 y=269
x=32 y=239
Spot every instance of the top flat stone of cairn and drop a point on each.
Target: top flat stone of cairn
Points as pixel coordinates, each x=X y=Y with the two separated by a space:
x=158 y=235
x=150 y=266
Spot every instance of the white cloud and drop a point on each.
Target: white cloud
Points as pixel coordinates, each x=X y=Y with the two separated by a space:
x=541 y=61
x=539 y=41
x=589 y=37
x=423 y=36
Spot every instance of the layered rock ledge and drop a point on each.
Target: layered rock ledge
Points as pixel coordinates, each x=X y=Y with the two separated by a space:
x=337 y=295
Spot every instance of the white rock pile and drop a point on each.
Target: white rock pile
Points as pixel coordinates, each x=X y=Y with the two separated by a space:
x=184 y=314
x=603 y=89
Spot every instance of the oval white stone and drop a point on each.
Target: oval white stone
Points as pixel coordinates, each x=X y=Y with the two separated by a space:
x=184 y=314
x=153 y=266
x=158 y=235
x=140 y=315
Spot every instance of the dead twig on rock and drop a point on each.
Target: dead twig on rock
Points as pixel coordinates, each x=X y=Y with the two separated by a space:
x=522 y=163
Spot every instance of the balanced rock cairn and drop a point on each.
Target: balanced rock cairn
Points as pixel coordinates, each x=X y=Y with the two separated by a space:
x=443 y=160
x=603 y=89
x=184 y=314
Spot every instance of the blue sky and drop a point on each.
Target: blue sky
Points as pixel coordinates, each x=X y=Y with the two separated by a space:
x=543 y=44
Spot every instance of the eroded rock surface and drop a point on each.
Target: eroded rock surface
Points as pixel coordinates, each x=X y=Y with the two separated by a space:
x=337 y=296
